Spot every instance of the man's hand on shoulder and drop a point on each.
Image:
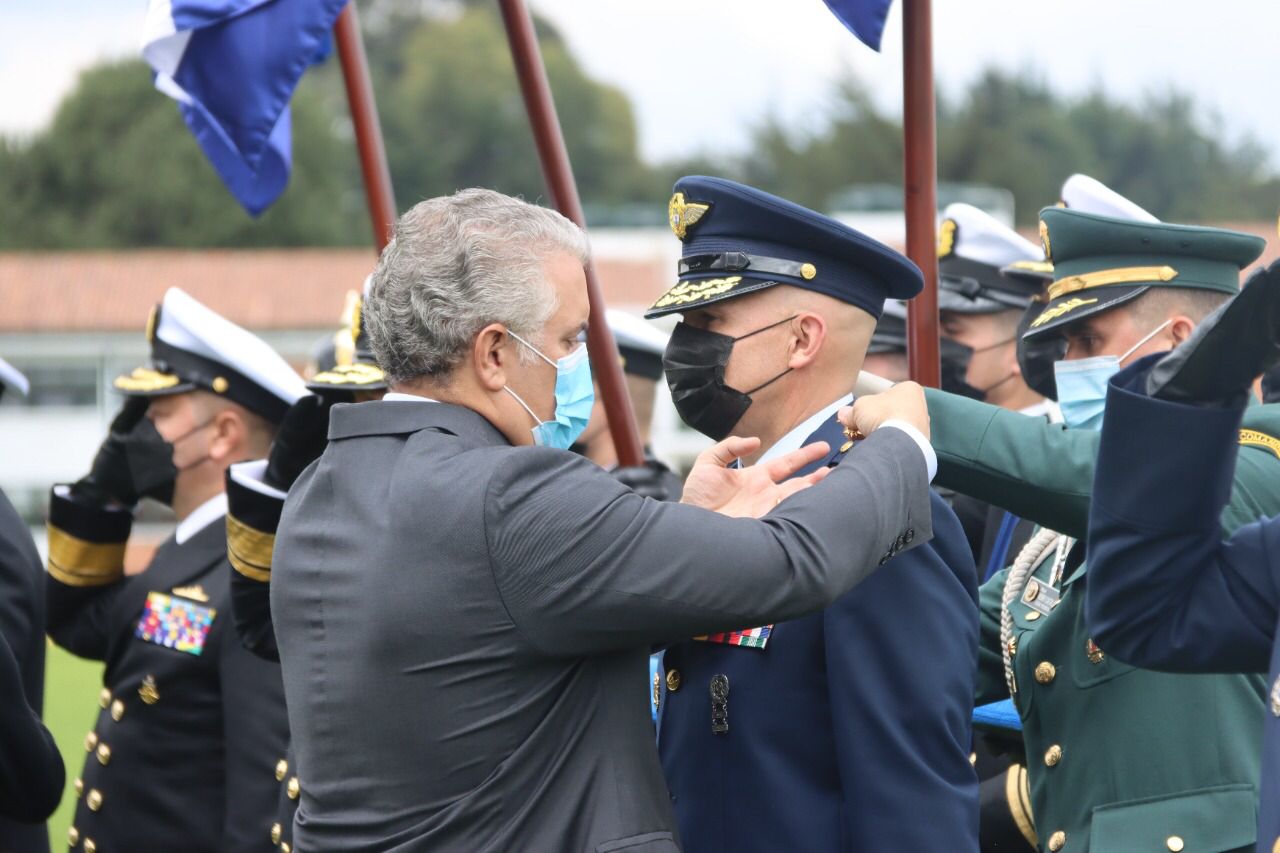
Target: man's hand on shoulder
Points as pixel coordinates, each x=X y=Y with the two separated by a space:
x=903 y=402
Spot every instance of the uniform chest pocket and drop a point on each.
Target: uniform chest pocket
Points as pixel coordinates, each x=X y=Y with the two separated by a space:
x=1094 y=666
x=175 y=623
x=1211 y=820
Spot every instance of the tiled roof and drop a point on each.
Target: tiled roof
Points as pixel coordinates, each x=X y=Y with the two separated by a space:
x=259 y=289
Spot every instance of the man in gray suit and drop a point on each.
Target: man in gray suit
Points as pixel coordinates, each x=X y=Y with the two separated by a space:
x=463 y=618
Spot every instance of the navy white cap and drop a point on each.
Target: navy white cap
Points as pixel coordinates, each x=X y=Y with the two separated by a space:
x=195 y=348
x=11 y=377
x=640 y=344
x=353 y=367
x=1087 y=195
x=973 y=247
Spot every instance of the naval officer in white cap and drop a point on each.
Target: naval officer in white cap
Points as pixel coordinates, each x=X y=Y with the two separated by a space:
x=187 y=747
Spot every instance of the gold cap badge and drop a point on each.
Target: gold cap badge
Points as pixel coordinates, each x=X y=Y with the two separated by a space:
x=684 y=215
x=946 y=237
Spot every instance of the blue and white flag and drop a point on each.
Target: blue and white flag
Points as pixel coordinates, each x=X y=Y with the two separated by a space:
x=232 y=66
x=864 y=18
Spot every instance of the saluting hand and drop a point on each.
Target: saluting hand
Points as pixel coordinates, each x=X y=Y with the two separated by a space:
x=753 y=491
x=903 y=402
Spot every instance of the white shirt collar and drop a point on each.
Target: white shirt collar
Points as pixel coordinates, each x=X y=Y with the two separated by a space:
x=398 y=396
x=1044 y=409
x=795 y=438
x=201 y=517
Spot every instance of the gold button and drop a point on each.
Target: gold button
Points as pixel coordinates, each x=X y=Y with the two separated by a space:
x=104 y=698
x=1032 y=615
x=973 y=758
x=1174 y=843
x=673 y=680
x=220 y=384
x=284 y=847
x=117 y=710
x=79 y=785
x=1275 y=848
x=73 y=836
x=1053 y=755
x=282 y=768
x=293 y=788
x=89 y=846
x=94 y=800
x=808 y=271
x=1033 y=591
x=276 y=831
x=1045 y=672
x=148 y=692
x=90 y=741
x=104 y=754
x=1057 y=841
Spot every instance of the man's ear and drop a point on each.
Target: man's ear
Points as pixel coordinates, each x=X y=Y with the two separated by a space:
x=491 y=356
x=809 y=332
x=230 y=436
x=1180 y=328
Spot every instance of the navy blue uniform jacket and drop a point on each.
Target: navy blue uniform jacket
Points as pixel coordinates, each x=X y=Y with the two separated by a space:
x=850 y=731
x=1166 y=591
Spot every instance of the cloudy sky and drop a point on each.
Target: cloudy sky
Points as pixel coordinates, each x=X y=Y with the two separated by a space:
x=701 y=71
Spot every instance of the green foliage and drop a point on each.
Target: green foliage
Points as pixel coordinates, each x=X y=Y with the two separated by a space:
x=117 y=168
x=1010 y=130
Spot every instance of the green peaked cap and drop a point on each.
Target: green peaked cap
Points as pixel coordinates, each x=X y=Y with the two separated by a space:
x=1100 y=262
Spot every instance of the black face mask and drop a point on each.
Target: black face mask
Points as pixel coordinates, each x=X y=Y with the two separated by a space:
x=151 y=460
x=955 y=366
x=694 y=363
x=1036 y=357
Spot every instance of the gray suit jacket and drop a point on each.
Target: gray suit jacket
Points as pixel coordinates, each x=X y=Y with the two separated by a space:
x=464 y=625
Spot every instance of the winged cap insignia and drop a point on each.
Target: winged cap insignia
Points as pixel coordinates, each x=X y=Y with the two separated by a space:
x=684 y=215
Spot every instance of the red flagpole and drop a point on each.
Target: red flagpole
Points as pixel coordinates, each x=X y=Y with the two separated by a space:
x=558 y=174
x=921 y=186
x=364 y=117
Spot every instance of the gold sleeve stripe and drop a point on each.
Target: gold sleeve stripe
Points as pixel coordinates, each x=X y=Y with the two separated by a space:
x=78 y=562
x=249 y=550
x=1253 y=438
x=1018 y=794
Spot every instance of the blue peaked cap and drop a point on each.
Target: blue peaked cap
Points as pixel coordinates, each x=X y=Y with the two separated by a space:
x=738 y=239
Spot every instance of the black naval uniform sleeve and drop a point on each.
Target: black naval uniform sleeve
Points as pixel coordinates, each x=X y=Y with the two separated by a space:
x=255 y=736
x=252 y=520
x=86 y=571
x=584 y=565
x=31 y=770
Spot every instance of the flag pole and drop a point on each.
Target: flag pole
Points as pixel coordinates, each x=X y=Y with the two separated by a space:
x=364 y=117
x=921 y=186
x=558 y=174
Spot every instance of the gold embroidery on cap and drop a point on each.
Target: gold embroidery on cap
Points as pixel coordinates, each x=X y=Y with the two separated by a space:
x=1102 y=278
x=946 y=237
x=684 y=215
x=696 y=291
x=1058 y=310
x=350 y=374
x=145 y=379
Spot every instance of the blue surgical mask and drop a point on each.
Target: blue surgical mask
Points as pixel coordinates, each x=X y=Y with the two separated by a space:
x=575 y=395
x=1082 y=384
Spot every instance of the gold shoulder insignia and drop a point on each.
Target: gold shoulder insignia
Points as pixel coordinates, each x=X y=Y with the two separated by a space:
x=684 y=215
x=1044 y=240
x=947 y=238
x=1253 y=438
x=195 y=593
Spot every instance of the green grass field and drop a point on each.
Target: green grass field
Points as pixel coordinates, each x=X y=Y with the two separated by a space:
x=71 y=689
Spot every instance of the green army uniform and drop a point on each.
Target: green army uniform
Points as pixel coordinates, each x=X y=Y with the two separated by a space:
x=1119 y=758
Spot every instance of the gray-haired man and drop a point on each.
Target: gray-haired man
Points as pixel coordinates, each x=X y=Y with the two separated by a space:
x=463 y=618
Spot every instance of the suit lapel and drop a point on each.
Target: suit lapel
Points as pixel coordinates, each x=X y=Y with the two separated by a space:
x=833 y=434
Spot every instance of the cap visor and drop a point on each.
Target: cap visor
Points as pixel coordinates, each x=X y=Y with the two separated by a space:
x=1071 y=307
x=949 y=300
x=692 y=295
x=148 y=382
